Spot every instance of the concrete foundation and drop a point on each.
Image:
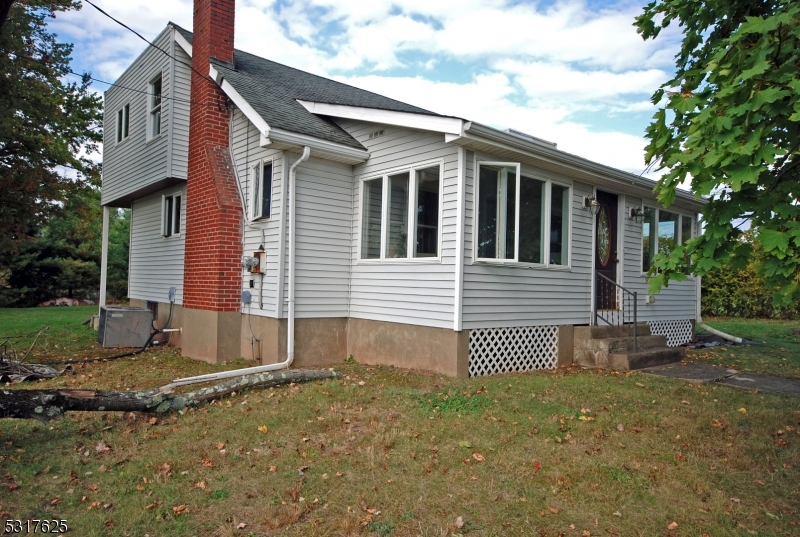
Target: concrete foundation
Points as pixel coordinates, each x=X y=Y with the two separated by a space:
x=211 y=336
x=218 y=337
x=317 y=342
x=403 y=345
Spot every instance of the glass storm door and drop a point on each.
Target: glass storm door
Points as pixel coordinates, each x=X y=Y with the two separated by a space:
x=605 y=251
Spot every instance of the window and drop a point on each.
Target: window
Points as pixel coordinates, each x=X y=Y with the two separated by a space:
x=154 y=106
x=521 y=218
x=400 y=214
x=171 y=215
x=262 y=190
x=661 y=232
x=123 y=120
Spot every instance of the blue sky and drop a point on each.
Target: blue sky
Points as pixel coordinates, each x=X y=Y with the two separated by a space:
x=573 y=72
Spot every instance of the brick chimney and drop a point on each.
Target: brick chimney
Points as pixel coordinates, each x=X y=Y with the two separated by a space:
x=212 y=262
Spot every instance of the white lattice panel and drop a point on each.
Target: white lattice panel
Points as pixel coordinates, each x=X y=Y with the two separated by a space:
x=678 y=331
x=503 y=350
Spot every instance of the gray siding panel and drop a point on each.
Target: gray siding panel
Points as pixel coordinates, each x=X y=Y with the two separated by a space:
x=180 y=113
x=497 y=296
x=413 y=292
x=246 y=154
x=679 y=300
x=156 y=262
x=137 y=162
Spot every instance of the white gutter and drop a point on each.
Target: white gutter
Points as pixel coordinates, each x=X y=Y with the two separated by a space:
x=292 y=215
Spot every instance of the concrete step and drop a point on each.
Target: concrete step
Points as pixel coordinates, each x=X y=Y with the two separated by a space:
x=609 y=331
x=625 y=344
x=646 y=358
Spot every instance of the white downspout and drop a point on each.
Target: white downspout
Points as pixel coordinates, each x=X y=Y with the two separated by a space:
x=104 y=259
x=292 y=205
x=290 y=335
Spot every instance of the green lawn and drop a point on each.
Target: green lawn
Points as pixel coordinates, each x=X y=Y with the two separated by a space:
x=776 y=350
x=392 y=452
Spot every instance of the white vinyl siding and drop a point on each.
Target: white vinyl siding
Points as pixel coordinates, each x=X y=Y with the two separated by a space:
x=179 y=118
x=156 y=262
x=498 y=295
x=678 y=301
x=419 y=292
x=247 y=154
x=142 y=160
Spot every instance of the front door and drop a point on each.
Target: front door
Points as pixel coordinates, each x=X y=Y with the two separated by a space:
x=605 y=251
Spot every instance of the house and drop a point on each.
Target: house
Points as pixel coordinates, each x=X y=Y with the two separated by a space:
x=288 y=215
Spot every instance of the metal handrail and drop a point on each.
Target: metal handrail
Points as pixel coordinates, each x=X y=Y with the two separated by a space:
x=617 y=317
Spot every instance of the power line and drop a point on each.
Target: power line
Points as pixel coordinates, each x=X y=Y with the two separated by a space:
x=140 y=36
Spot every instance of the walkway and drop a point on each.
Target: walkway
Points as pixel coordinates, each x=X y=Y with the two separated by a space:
x=701 y=372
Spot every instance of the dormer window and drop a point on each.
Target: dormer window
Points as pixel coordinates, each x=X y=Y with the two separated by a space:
x=154 y=107
x=123 y=120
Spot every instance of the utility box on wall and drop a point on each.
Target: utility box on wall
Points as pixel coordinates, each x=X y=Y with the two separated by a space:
x=124 y=327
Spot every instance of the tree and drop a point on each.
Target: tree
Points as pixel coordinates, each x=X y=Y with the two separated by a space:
x=729 y=121
x=46 y=124
x=62 y=259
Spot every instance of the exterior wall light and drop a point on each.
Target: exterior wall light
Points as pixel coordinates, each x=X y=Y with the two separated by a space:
x=636 y=214
x=591 y=204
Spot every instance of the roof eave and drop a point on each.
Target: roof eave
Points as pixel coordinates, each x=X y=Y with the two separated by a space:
x=541 y=151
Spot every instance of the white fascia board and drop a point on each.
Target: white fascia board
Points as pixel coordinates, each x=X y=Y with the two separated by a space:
x=240 y=102
x=447 y=125
x=185 y=45
x=318 y=144
x=482 y=133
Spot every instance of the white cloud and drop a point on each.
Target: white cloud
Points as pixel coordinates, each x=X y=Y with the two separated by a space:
x=535 y=68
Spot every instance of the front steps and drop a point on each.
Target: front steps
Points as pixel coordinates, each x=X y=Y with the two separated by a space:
x=612 y=347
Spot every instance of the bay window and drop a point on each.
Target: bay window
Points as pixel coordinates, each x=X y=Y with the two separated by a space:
x=400 y=214
x=521 y=218
x=661 y=232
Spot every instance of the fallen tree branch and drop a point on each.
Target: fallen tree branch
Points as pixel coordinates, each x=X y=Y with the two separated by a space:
x=46 y=405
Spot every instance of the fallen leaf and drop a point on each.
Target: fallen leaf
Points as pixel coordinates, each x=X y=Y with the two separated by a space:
x=478 y=457
x=742 y=410
x=537 y=466
x=736 y=500
x=263 y=428
x=620 y=427
x=220 y=445
x=553 y=510
x=585 y=418
x=672 y=525
x=178 y=509
x=101 y=447
x=460 y=522
x=617 y=513
x=199 y=485
x=241 y=526
x=164 y=468
x=464 y=444
x=273 y=468
x=151 y=506
x=153 y=421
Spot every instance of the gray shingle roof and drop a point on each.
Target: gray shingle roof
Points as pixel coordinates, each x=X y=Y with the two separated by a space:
x=272 y=89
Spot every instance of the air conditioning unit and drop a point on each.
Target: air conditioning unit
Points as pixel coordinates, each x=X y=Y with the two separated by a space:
x=122 y=326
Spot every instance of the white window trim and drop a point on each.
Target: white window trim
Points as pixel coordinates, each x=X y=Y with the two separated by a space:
x=681 y=216
x=546 y=228
x=119 y=133
x=164 y=215
x=412 y=198
x=151 y=109
x=256 y=196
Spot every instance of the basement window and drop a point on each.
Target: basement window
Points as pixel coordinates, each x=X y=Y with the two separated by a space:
x=154 y=107
x=262 y=190
x=171 y=215
x=401 y=214
x=123 y=122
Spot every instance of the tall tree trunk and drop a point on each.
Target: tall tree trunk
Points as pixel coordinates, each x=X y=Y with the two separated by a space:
x=46 y=405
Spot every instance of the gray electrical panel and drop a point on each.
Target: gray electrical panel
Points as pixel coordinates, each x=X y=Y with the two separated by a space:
x=124 y=327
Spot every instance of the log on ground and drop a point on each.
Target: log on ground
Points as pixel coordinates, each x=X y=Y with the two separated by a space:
x=46 y=405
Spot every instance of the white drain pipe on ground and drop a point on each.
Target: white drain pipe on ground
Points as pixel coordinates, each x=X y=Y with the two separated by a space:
x=290 y=335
